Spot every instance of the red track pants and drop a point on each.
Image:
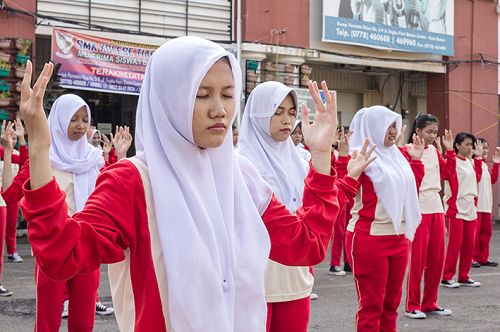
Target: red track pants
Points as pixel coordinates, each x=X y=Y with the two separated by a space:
x=81 y=291
x=291 y=316
x=483 y=236
x=426 y=255
x=338 y=238
x=10 y=229
x=461 y=240
x=3 y=222
x=379 y=266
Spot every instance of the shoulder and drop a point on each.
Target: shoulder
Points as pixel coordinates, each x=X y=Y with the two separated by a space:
x=124 y=173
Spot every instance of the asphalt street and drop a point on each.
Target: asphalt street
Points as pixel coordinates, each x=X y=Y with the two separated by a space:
x=474 y=309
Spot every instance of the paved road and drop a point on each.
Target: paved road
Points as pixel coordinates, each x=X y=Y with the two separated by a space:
x=474 y=309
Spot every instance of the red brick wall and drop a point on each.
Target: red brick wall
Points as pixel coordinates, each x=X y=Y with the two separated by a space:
x=466 y=99
x=16 y=25
x=260 y=17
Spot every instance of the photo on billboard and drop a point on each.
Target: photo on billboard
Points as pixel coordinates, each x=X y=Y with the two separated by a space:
x=420 y=26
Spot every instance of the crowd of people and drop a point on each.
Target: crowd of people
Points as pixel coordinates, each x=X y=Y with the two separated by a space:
x=204 y=230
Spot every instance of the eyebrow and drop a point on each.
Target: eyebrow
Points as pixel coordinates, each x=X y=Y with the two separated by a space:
x=291 y=108
x=208 y=87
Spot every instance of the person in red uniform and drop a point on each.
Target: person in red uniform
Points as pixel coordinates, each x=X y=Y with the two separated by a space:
x=428 y=246
x=338 y=238
x=460 y=194
x=186 y=225
x=384 y=218
x=75 y=165
x=484 y=206
x=9 y=210
x=19 y=160
x=265 y=141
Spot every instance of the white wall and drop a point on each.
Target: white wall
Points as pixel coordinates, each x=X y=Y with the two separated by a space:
x=205 y=18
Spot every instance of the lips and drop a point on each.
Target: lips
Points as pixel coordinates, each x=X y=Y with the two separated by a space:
x=286 y=130
x=218 y=126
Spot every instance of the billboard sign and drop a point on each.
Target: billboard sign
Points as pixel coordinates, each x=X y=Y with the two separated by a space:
x=99 y=64
x=420 y=26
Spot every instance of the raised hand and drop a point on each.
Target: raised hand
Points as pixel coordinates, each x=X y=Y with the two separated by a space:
x=448 y=140
x=19 y=129
x=113 y=138
x=359 y=161
x=37 y=126
x=478 y=149
x=320 y=135
x=7 y=136
x=400 y=141
x=438 y=145
x=344 y=142
x=106 y=144
x=31 y=107
x=417 y=149
x=123 y=141
x=496 y=155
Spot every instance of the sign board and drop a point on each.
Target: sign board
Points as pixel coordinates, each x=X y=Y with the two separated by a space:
x=105 y=127
x=303 y=96
x=99 y=64
x=421 y=26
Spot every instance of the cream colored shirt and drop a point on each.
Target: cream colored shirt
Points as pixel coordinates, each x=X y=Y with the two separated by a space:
x=467 y=190
x=485 y=192
x=429 y=199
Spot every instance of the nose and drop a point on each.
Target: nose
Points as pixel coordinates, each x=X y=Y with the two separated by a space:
x=217 y=109
x=288 y=118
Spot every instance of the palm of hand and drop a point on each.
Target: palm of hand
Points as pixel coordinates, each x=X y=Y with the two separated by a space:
x=6 y=141
x=320 y=135
x=107 y=147
x=123 y=143
x=19 y=131
x=496 y=156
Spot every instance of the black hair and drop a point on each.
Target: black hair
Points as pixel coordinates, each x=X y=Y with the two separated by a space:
x=299 y=125
x=421 y=121
x=461 y=137
x=235 y=126
x=482 y=140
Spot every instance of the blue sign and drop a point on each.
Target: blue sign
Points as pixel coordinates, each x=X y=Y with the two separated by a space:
x=422 y=26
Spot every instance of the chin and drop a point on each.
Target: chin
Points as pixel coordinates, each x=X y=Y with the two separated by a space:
x=211 y=144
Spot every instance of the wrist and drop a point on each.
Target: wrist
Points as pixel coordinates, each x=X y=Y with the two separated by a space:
x=21 y=140
x=121 y=156
x=38 y=150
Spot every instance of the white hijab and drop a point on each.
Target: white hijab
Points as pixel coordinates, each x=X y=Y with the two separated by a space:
x=214 y=242
x=91 y=138
x=390 y=173
x=277 y=162
x=77 y=157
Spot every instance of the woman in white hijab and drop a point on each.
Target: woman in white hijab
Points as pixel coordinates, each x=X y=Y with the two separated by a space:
x=296 y=135
x=75 y=166
x=191 y=225
x=268 y=119
x=384 y=218
x=95 y=139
